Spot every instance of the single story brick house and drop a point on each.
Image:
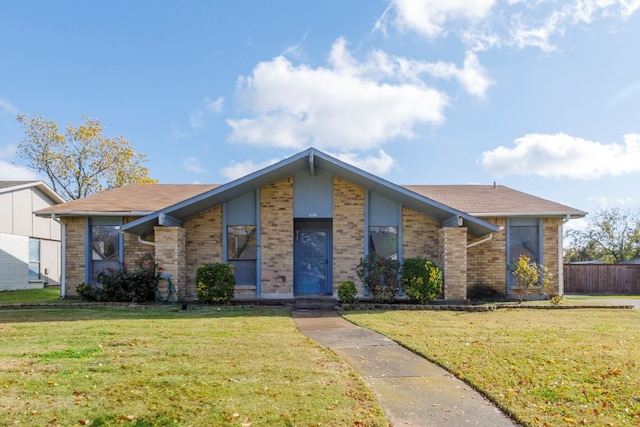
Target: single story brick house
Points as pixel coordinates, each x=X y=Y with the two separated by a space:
x=298 y=228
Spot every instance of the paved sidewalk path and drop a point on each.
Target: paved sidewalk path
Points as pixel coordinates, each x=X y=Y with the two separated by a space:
x=411 y=390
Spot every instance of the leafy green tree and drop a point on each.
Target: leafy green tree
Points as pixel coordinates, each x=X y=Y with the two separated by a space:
x=613 y=236
x=82 y=161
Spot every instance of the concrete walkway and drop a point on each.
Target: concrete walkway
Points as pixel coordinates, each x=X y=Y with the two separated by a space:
x=411 y=390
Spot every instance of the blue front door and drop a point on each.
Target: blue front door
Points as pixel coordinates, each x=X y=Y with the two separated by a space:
x=312 y=260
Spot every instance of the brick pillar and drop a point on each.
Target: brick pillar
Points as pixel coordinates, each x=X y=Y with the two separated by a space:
x=170 y=254
x=453 y=258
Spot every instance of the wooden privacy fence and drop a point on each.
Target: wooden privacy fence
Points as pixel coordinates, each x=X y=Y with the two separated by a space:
x=618 y=279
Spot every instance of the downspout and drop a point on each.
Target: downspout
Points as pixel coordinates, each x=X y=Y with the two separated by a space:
x=146 y=242
x=486 y=239
x=560 y=252
x=63 y=256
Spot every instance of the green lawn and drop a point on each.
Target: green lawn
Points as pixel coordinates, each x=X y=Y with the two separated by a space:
x=169 y=367
x=30 y=296
x=545 y=367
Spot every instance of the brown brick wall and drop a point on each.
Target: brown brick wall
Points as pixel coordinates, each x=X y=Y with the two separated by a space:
x=419 y=235
x=170 y=254
x=348 y=232
x=453 y=255
x=550 y=241
x=203 y=244
x=75 y=253
x=276 y=223
x=133 y=249
x=487 y=263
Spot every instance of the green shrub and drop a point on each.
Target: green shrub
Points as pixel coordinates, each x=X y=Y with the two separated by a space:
x=215 y=283
x=528 y=276
x=118 y=285
x=347 y=292
x=380 y=276
x=421 y=279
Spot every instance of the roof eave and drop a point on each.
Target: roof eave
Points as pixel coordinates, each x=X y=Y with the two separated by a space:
x=55 y=197
x=288 y=167
x=571 y=215
x=60 y=214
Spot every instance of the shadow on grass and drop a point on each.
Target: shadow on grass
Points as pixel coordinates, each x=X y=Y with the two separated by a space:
x=74 y=314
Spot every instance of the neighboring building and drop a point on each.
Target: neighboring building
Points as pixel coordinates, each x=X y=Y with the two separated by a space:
x=299 y=228
x=30 y=249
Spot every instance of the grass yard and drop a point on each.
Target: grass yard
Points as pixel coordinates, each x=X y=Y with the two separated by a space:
x=170 y=367
x=30 y=296
x=545 y=367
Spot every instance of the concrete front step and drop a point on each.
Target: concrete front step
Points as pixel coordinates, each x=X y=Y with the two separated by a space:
x=315 y=303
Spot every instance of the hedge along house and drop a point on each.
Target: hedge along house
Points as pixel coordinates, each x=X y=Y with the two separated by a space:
x=298 y=228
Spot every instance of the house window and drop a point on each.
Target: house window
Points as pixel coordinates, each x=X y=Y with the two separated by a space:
x=242 y=251
x=34 y=259
x=524 y=240
x=105 y=246
x=384 y=241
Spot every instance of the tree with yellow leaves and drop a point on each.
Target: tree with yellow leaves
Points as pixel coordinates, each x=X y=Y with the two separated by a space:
x=81 y=161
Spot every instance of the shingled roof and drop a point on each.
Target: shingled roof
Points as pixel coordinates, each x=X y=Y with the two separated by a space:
x=476 y=200
x=493 y=200
x=135 y=200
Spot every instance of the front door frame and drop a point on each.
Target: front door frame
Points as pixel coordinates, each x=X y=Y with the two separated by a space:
x=308 y=225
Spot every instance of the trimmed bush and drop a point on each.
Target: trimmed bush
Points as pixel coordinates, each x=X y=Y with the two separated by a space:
x=380 y=276
x=421 y=280
x=347 y=292
x=215 y=283
x=118 y=285
x=529 y=276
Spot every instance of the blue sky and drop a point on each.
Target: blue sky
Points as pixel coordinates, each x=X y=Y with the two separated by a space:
x=542 y=96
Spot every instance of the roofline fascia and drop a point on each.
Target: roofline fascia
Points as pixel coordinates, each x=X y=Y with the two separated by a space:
x=91 y=213
x=410 y=193
x=530 y=214
x=312 y=154
x=217 y=190
x=41 y=185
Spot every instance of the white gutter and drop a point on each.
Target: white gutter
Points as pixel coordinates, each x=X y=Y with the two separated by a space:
x=560 y=252
x=145 y=242
x=63 y=257
x=486 y=239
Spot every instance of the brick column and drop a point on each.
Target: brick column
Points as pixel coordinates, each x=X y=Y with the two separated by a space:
x=170 y=254
x=453 y=258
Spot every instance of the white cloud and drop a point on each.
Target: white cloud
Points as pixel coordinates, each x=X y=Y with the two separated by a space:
x=7 y=106
x=192 y=165
x=429 y=17
x=349 y=105
x=8 y=151
x=214 y=106
x=9 y=172
x=177 y=133
x=472 y=76
x=487 y=24
x=197 y=118
x=561 y=155
x=528 y=32
x=237 y=170
x=380 y=165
